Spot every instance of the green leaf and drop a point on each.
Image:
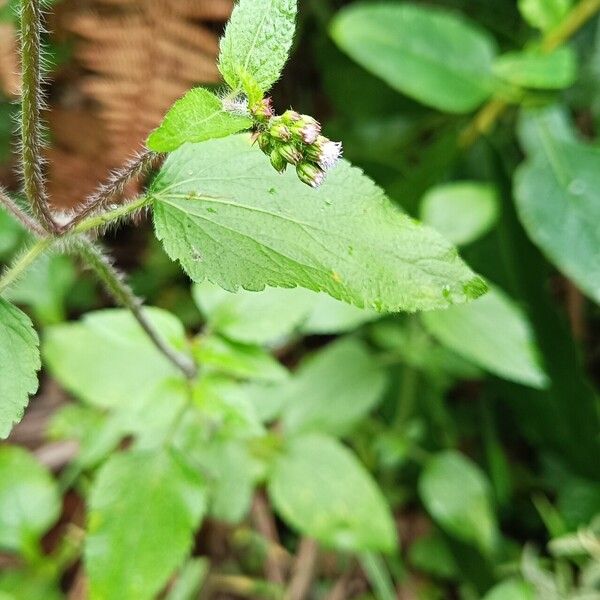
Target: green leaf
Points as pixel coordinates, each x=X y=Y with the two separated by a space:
x=272 y=315
x=461 y=211
x=431 y=554
x=197 y=117
x=29 y=500
x=333 y=390
x=107 y=359
x=544 y=14
x=257 y=42
x=190 y=580
x=28 y=584
x=19 y=363
x=534 y=70
x=238 y=223
x=239 y=360
x=494 y=334
x=457 y=495
x=511 y=589
x=319 y=488
x=556 y=195
x=143 y=510
x=433 y=56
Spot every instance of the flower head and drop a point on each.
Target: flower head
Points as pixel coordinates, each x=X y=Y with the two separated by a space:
x=290 y=153
x=262 y=111
x=325 y=152
x=310 y=174
x=307 y=128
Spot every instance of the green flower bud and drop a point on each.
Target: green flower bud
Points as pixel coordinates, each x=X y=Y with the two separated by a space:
x=291 y=154
x=280 y=131
x=310 y=174
x=264 y=142
x=307 y=128
x=279 y=163
x=289 y=117
x=262 y=111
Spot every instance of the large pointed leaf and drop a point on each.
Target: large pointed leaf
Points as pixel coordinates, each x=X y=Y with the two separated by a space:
x=222 y=211
x=19 y=363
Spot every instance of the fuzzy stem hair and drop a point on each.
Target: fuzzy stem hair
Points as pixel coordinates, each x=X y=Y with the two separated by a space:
x=117 y=287
x=32 y=101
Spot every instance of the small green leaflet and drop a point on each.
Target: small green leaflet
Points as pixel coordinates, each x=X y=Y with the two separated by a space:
x=196 y=117
x=535 y=70
x=319 y=488
x=556 y=192
x=19 y=364
x=544 y=14
x=457 y=494
x=143 y=510
x=257 y=42
x=431 y=55
x=228 y=217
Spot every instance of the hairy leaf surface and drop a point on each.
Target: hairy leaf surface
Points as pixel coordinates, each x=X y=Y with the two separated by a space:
x=227 y=216
x=196 y=117
x=257 y=42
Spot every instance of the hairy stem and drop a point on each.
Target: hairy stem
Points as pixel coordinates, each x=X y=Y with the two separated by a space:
x=16 y=211
x=485 y=120
x=114 y=187
x=20 y=266
x=123 y=294
x=30 y=114
x=111 y=216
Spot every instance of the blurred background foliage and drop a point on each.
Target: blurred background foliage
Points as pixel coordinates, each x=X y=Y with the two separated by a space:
x=478 y=424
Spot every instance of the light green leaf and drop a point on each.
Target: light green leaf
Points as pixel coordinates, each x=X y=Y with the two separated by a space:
x=330 y=316
x=544 y=14
x=457 y=495
x=253 y=317
x=238 y=223
x=143 y=510
x=433 y=56
x=492 y=333
x=333 y=390
x=19 y=363
x=107 y=359
x=557 y=201
x=461 y=211
x=511 y=589
x=28 y=584
x=190 y=580
x=239 y=360
x=257 y=42
x=29 y=500
x=535 y=70
x=319 y=488
x=272 y=315
x=197 y=117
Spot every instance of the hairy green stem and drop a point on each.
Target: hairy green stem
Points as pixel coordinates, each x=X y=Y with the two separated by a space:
x=20 y=266
x=30 y=114
x=114 y=187
x=485 y=120
x=112 y=216
x=16 y=211
x=123 y=294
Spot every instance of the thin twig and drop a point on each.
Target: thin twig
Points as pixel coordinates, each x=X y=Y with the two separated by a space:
x=32 y=101
x=485 y=120
x=107 y=193
x=303 y=571
x=123 y=294
x=264 y=521
x=25 y=219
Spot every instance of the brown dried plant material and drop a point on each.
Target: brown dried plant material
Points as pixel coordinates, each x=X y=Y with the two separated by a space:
x=10 y=79
x=141 y=55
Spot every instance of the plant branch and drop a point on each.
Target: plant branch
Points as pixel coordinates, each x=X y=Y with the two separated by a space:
x=114 y=187
x=123 y=294
x=32 y=101
x=20 y=266
x=485 y=120
x=25 y=219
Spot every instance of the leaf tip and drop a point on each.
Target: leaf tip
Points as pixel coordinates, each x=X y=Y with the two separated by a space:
x=475 y=288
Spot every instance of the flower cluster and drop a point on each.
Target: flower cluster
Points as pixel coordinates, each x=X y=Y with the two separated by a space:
x=295 y=139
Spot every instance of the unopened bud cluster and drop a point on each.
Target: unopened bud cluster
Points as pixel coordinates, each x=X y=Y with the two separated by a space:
x=295 y=139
